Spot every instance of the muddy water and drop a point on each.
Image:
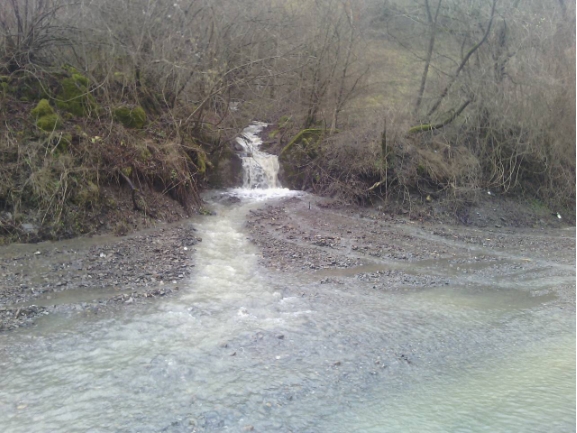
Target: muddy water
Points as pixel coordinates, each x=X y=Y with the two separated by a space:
x=242 y=349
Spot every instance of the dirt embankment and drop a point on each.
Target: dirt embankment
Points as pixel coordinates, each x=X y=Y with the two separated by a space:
x=67 y=276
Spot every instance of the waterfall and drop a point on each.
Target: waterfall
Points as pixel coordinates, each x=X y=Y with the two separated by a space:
x=260 y=169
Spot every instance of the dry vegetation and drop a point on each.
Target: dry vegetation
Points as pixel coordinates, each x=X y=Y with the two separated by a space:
x=462 y=98
x=368 y=99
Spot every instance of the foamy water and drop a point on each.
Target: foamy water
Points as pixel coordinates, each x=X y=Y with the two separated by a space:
x=262 y=194
x=260 y=169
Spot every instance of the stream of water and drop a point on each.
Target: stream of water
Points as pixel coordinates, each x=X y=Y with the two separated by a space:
x=241 y=349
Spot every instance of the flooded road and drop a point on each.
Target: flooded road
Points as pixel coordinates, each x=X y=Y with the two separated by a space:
x=246 y=349
x=313 y=331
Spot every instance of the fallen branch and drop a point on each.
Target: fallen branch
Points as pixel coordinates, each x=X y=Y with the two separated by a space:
x=301 y=135
x=432 y=127
x=377 y=184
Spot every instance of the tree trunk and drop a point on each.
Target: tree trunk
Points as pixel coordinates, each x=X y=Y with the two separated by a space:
x=433 y=25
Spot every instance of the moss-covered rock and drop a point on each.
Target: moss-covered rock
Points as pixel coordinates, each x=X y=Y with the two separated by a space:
x=42 y=109
x=75 y=96
x=46 y=118
x=130 y=118
x=49 y=123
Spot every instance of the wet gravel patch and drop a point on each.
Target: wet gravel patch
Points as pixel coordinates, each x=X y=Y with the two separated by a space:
x=285 y=246
x=118 y=271
x=392 y=280
x=310 y=234
x=298 y=234
x=541 y=243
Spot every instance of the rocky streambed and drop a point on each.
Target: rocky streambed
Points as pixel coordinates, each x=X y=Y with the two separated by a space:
x=294 y=314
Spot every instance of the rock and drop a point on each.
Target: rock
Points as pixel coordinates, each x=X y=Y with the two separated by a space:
x=29 y=228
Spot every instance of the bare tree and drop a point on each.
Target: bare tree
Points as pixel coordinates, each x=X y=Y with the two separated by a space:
x=30 y=32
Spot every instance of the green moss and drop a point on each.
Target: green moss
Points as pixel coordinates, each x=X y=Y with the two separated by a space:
x=42 y=109
x=420 y=128
x=309 y=137
x=139 y=116
x=75 y=96
x=201 y=161
x=81 y=80
x=145 y=154
x=284 y=121
x=122 y=114
x=131 y=118
x=46 y=118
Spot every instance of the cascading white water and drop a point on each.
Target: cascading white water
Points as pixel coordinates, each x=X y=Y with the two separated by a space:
x=260 y=168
